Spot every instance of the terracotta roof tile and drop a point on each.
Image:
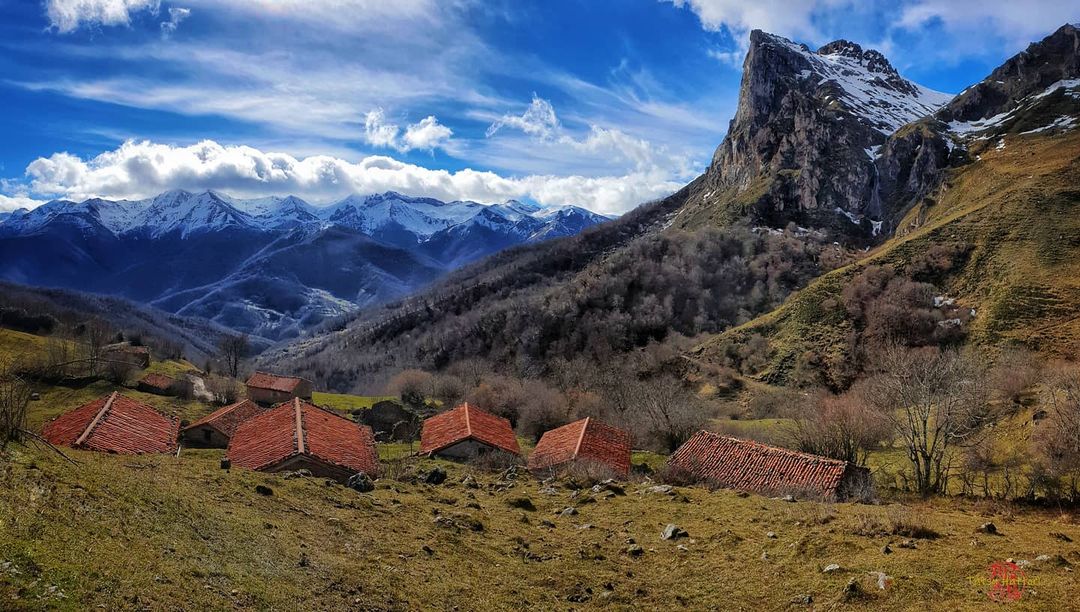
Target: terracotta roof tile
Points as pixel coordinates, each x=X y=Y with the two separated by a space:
x=271 y=437
x=226 y=419
x=752 y=466
x=115 y=424
x=467 y=423
x=273 y=382
x=587 y=439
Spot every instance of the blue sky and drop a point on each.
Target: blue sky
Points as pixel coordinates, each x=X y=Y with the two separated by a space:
x=601 y=103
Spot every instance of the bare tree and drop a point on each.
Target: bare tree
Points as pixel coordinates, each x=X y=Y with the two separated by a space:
x=1057 y=436
x=233 y=350
x=936 y=400
x=95 y=336
x=14 y=399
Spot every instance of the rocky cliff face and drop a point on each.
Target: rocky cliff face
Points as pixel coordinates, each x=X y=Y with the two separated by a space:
x=802 y=145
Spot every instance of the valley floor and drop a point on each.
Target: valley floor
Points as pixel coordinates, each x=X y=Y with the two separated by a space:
x=160 y=532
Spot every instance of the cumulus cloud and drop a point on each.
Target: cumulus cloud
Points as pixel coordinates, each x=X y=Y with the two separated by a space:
x=10 y=203
x=538 y=120
x=786 y=17
x=176 y=15
x=426 y=134
x=68 y=15
x=541 y=123
x=1022 y=21
x=139 y=169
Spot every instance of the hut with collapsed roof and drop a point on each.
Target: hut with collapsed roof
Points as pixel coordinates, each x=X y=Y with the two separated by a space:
x=768 y=470
x=114 y=424
x=299 y=435
x=584 y=441
x=465 y=432
x=217 y=428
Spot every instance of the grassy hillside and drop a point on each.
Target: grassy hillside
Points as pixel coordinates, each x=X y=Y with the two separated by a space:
x=156 y=532
x=1015 y=207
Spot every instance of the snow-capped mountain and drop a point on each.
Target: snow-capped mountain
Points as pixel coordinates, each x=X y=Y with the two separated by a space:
x=271 y=266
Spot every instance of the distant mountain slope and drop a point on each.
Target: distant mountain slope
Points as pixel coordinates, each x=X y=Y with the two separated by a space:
x=827 y=146
x=197 y=338
x=273 y=266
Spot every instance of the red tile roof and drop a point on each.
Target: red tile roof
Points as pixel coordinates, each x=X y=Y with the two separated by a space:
x=467 y=423
x=225 y=420
x=587 y=439
x=158 y=381
x=115 y=424
x=752 y=466
x=296 y=428
x=273 y=382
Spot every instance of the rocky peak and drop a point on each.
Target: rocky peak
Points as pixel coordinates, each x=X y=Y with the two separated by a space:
x=802 y=144
x=1036 y=69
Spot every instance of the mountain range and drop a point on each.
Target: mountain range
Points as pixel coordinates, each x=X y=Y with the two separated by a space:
x=970 y=199
x=272 y=267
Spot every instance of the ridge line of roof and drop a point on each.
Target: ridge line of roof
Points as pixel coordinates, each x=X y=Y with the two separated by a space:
x=299 y=427
x=581 y=437
x=781 y=449
x=97 y=419
x=468 y=422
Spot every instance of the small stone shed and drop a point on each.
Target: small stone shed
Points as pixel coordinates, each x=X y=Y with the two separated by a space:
x=585 y=440
x=769 y=470
x=270 y=389
x=465 y=432
x=114 y=424
x=299 y=435
x=217 y=428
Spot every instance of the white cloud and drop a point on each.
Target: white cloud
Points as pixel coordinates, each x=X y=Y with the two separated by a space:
x=793 y=18
x=143 y=169
x=69 y=15
x=541 y=124
x=538 y=120
x=10 y=203
x=176 y=15
x=1018 y=22
x=427 y=134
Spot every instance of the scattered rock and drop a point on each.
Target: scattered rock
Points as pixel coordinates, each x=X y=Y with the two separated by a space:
x=634 y=550
x=803 y=600
x=830 y=568
x=568 y=511
x=1057 y=560
x=1060 y=536
x=360 y=482
x=469 y=482
x=742 y=494
x=547 y=523
x=521 y=503
x=909 y=543
x=771 y=535
x=35 y=397
x=225 y=463
x=881 y=580
x=427 y=550
x=301 y=473
x=682 y=548
x=549 y=491
x=787 y=498
x=609 y=485
x=459 y=522
x=263 y=490
x=660 y=490
x=584 y=526
x=988 y=528
x=673 y=532
x=436 y=476
x=886 y=550
x=851 y=592
x=764 y=556
x=304 y=561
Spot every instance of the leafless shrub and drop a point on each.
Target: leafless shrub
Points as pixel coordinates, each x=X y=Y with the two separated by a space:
x=493 y=461
x=120 y=372
x=1057 y=437
x=895 y=520
x=414 y=387
x=586 y=473
x=14 y=400
x=1016 y=371
x=224 y=389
